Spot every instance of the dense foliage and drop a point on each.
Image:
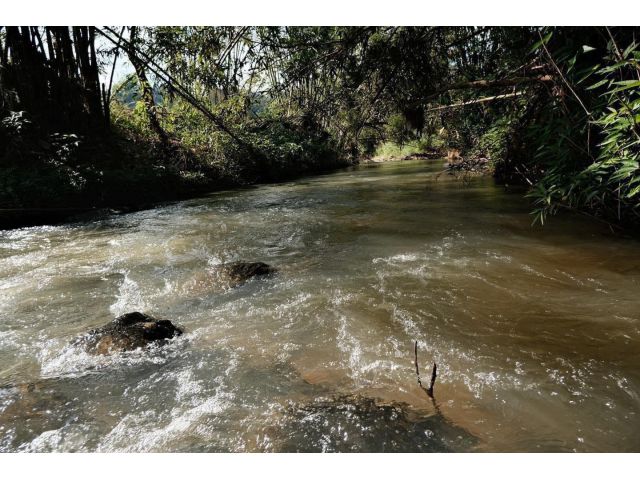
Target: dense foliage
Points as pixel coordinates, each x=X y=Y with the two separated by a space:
x=588 y=143
x=556 y=109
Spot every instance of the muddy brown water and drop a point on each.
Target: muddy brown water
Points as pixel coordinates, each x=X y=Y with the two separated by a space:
x=536 y=331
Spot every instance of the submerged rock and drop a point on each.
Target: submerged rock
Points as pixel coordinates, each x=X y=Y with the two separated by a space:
x=354 y=423
x=26 y=411
x=225 y=276
x=128 y=332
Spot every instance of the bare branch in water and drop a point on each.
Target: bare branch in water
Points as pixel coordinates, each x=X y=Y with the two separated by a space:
x=433 y=380
x=428 y=391
x=417 y=369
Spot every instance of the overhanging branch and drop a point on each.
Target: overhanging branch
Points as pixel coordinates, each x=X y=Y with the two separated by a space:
x=503 y=82
x=476 y=101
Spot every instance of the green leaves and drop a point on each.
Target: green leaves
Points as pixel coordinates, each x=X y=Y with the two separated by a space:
x=625 y=85
x=599 y=84
x=543 y=41
x=606 y=184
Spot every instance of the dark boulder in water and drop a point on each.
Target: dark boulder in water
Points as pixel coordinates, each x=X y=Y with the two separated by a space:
x=354 y=423
x=128 y=332
x=240 y=272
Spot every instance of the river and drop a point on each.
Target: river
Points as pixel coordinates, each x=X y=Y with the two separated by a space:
x=535 y=330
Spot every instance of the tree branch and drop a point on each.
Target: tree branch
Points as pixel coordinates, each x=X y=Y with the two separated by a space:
x=476 y=101
x=503 y=82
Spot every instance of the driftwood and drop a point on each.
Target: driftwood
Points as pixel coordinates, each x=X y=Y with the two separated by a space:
x=467 y=165
x=434 y=374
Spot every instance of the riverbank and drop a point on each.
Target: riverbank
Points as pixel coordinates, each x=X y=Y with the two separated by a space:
x=54 y=178
x=435 y=154
x=413 y=150
x=149 y=192
x=130 y=198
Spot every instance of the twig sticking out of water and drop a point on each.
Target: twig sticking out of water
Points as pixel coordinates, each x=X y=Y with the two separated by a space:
x=417 y=369
x=434 y=374
x=433 y=379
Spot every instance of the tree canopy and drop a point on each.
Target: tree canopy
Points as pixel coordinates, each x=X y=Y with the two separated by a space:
x=555 y=108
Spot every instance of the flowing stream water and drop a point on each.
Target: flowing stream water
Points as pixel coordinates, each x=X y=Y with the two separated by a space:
x=536 y=331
